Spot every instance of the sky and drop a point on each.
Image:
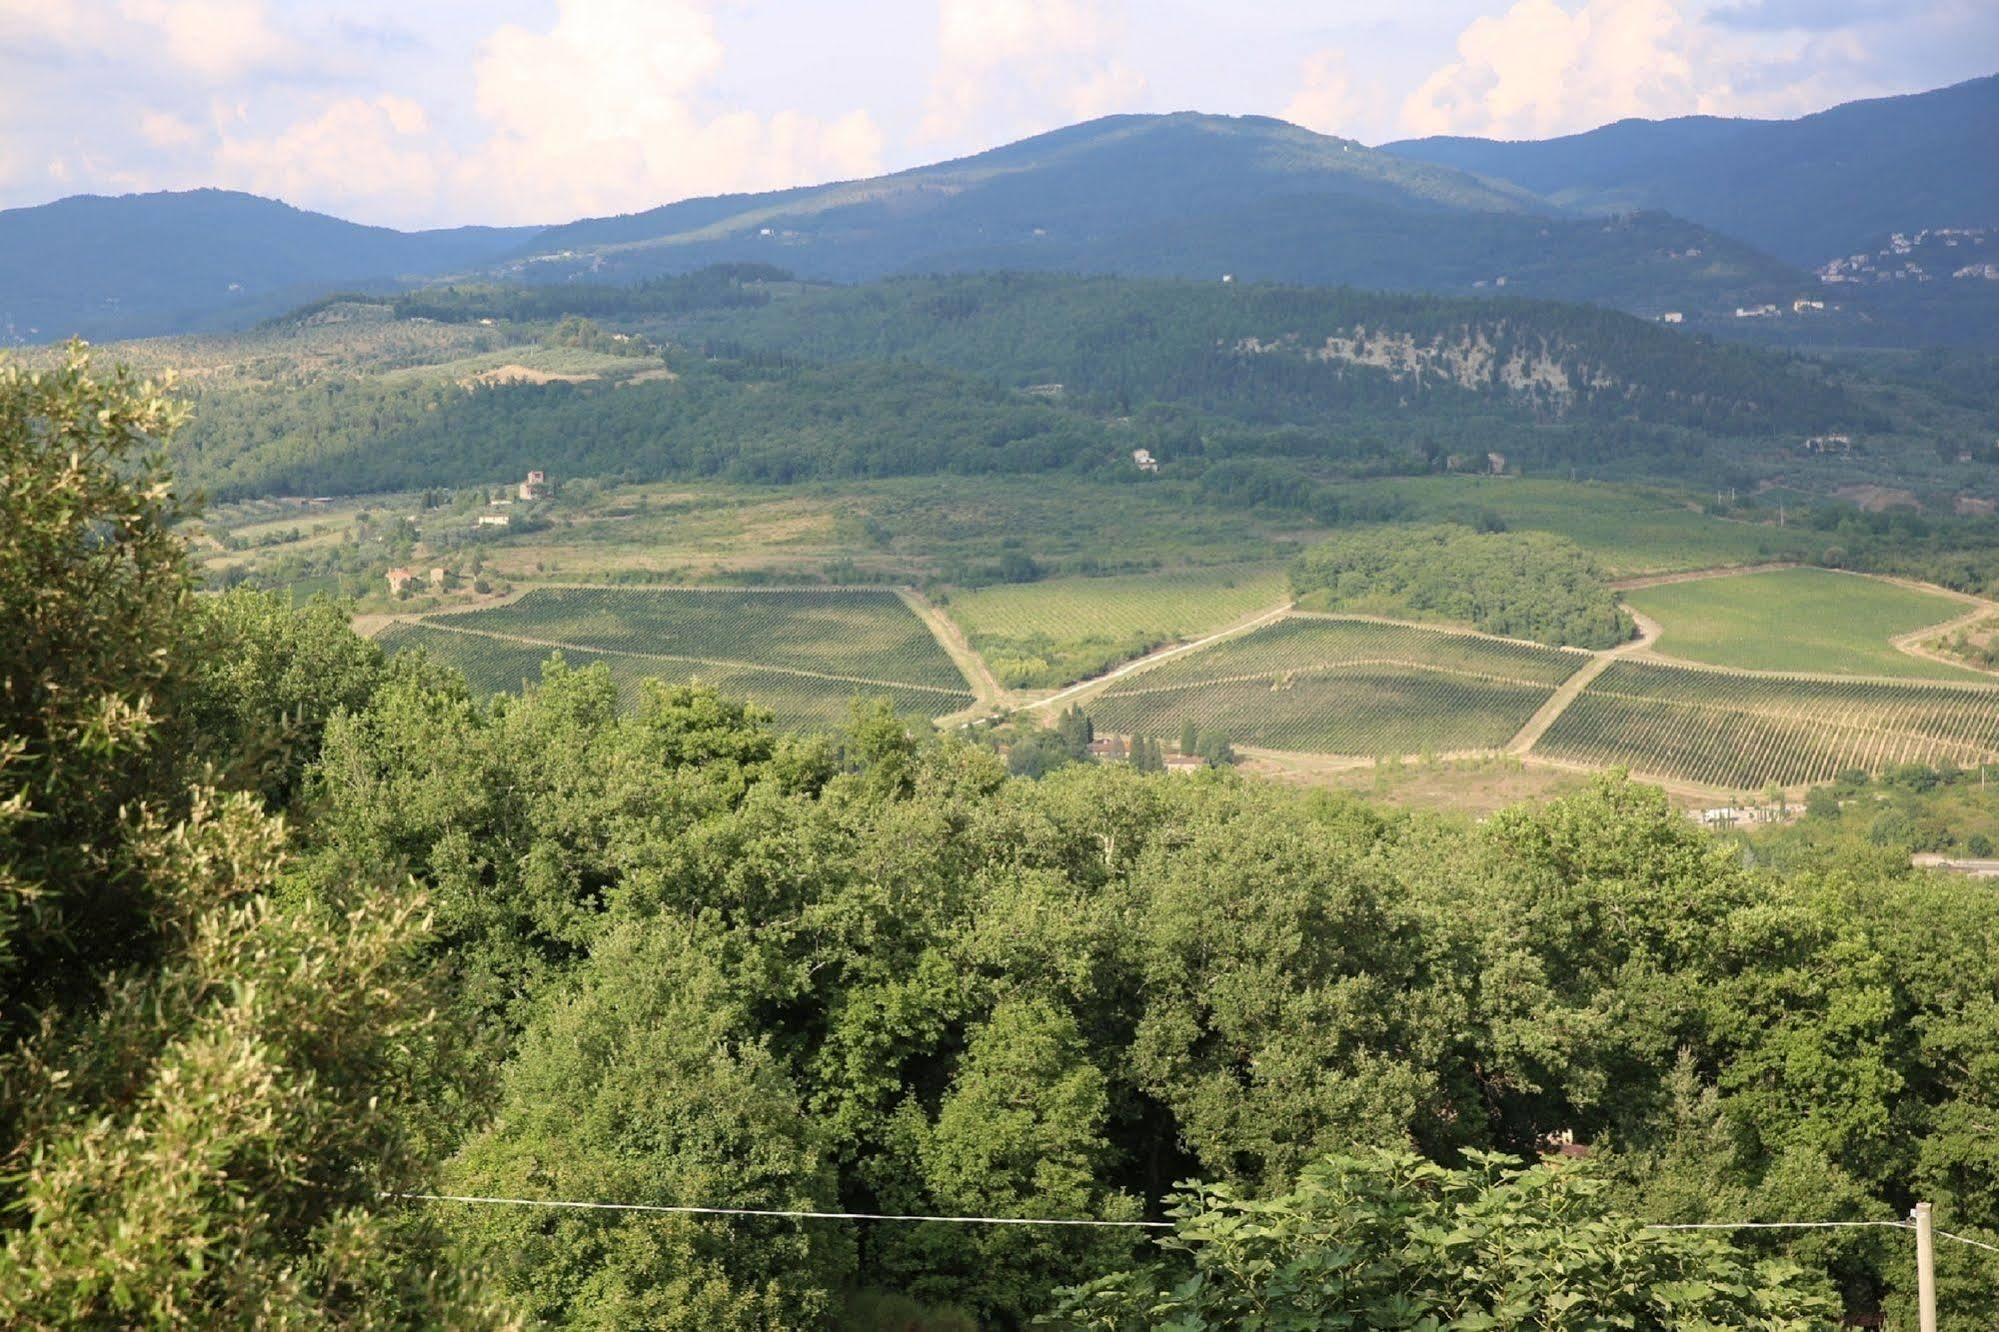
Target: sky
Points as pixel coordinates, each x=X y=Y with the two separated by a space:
x=420 y=113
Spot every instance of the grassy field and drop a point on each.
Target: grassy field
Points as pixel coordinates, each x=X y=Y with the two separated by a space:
x=1338 y=686
x=800 y=702
x=1632 y=530
x=1811 y=620
x=1743 y=732
x=1050 y=633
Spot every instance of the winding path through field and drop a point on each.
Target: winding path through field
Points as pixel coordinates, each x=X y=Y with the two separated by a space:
x=1256 y=621
x=987 y=692
x=1572 y=688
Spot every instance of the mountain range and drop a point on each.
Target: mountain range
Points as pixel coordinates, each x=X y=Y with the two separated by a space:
x=1697 y=216
x=1808 y=190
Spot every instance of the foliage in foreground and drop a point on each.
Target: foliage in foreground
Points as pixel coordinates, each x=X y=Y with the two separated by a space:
x=203 y=1089
x=1389 y=1240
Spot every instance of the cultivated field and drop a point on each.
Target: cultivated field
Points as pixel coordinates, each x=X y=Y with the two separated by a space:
x=1811 y=620
x=1631 y=530
x=1735 y=731
x=1052 y=632
x=803 y=654
x=861 y=635
x=1344 y=686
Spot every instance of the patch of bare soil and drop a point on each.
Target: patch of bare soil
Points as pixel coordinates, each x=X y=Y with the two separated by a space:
x=522 y=374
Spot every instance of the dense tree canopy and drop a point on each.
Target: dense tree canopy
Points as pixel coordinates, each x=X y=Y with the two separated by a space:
x=1529 y=585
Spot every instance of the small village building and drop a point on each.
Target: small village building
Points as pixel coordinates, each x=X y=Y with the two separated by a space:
x=1802 y=305
x=401 y=580
x=1496 y=463
x=496 y=520
x=439 y=578
x=1185 y=763
x=535 y=487
x=1144 y=460
x=1672 y=317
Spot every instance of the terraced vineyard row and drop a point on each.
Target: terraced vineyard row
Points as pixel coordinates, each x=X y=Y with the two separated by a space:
x=1742 y=731
x=1314 y=642
x=860 y=633
x=801 y=702
x=1363 y=710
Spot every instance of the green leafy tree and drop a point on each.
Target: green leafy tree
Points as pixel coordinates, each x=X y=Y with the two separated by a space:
x=1389 y=1240
x=1021 y=1132
x=204 y=1092
x=645 y=1083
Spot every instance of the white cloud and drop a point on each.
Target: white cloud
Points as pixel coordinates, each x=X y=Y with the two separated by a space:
x=1326 y=100
x=1012 y=61
x=1540 y=69
x=601 y=113
x=371 y=151
x=164 y=129
x=216 y=39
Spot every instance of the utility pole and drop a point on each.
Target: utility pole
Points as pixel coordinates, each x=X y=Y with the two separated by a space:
x=1926 y=1270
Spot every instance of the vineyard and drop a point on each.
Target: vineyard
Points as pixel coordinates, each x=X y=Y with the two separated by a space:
x=860 y=635
x=1812 y=620
x=1741 y=731
x=804 y=655
x=1050 y=633
x=1344 y=686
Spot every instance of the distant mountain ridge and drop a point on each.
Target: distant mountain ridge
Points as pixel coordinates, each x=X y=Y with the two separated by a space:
x=1699 y=217
x=1805 y=190
x=1183 y=195
x=177 y=261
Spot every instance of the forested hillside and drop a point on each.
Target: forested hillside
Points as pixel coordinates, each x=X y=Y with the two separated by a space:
x=1284 y=353
x=538 y=948
x=764 y=380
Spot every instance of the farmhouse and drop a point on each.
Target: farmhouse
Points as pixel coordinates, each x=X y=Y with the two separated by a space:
x=1672 y=317
x=535 y=487
x=401 y=580
x=496 y=520
x=1185 y=763
x=1144 y=460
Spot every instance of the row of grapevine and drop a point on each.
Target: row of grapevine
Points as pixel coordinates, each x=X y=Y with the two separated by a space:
x=494 y=665
x=1314 y=642
x=1363 y=710
x=866 y=634
x=1732 y=730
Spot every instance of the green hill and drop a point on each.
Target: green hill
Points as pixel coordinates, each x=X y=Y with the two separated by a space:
x=141 y=264
x=1185 y=195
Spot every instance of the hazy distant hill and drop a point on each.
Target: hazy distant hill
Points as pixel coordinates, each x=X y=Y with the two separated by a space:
x=1184 y=196
x=152 y=263
x=1806 y=190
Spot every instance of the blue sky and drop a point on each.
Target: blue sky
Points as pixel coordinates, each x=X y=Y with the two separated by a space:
x=437 y=112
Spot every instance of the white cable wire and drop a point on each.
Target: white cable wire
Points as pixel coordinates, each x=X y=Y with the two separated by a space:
x=1778 y=1225
x=759 y=1211
x=1067 y=1221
